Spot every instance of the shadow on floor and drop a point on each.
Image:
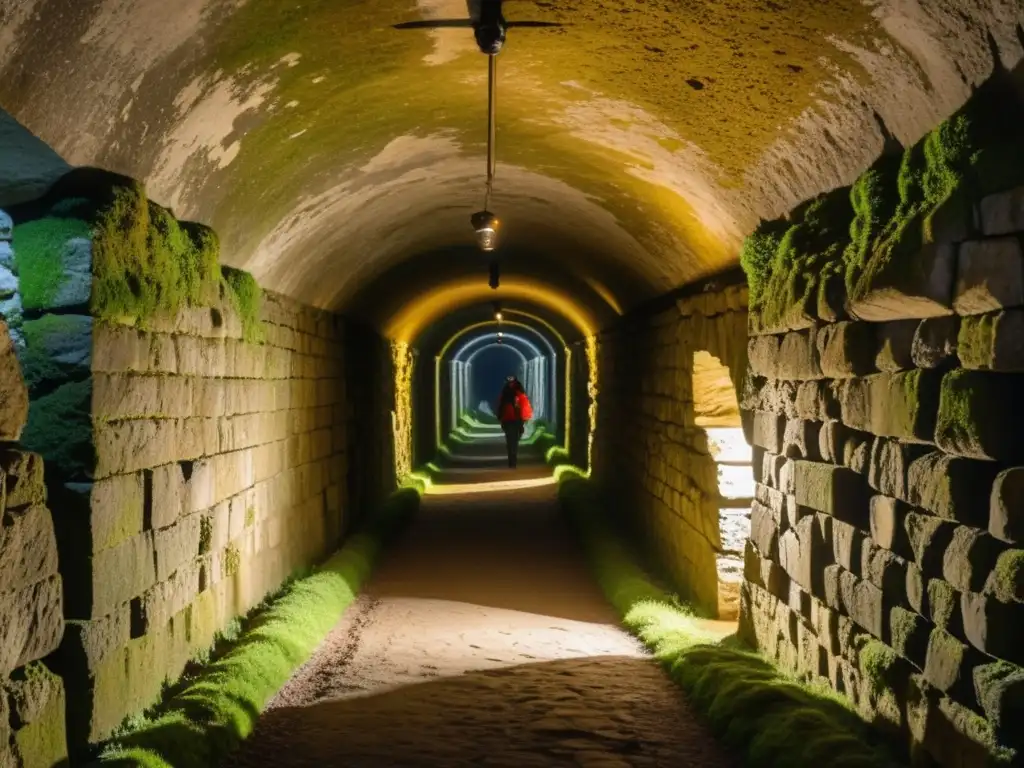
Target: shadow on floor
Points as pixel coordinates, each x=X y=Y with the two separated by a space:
x=600 y=711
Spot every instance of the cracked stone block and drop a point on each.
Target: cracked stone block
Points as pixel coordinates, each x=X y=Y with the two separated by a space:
x=935 y=342
x=990 y=276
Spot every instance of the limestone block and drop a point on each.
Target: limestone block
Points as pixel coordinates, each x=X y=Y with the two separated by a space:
x=1003 y=212
x=154 y=609
x=800 y=439
x=815 y=401
x=928 y=537
x=888 y=525
x=899 y=405
x=994 y=627
x=999 y=687
x=916 y=589
x=908 y=635
x=865 y=606
x=969 y=558
x=773 y=500
x=177 y=545
x=13 y=393
x=895 y=345
x=951 y=487
x=764 y=531
x=23 y=476
x=993 y=341
x=112 y=514
x=28 y=548
x=119 y=348
x=888 y=463
x=975 y=409
x=168 y=493
x=834 y=490
x=1006 y=506
x=846 y=545
x=990 y=276
x=112 y=577
x=944 y=607
x=38 y=703
x=949 y=665
x=32 y=625
x=86 y=644
x=847 y=349
x=935 y=342
x=123 y=396
x=945 y=731
x=922 y=289
x=804 y=553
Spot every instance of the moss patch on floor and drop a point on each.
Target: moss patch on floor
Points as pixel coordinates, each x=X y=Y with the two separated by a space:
x=59 y=428
x=210 y=714
x=767 y=717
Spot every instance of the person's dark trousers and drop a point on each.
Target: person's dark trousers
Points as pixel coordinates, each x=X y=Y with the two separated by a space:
x=513 y=430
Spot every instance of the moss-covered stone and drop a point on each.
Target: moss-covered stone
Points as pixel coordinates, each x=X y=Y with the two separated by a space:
x=38 y=697
x=57 y=348
x=949 y=665
x=974 y=409
x=1006 y=581
x=41 y=250
x=878 y=662
x=60 y=428
x=246 y=296
x=944 y=607
x=993 y=341
x=1000 y=690
x=952 y=487
x=908 y=635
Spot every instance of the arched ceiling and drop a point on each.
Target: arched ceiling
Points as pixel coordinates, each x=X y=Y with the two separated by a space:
x=636 y=146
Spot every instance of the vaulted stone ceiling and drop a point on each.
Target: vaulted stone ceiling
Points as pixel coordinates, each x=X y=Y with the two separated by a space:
x=340 y=158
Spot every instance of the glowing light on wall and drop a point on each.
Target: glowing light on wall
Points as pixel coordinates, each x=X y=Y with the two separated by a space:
x=402 y=363
x=593 y=389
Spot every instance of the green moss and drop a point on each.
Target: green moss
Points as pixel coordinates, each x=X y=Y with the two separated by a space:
x=246 y=296
x=250 y=516
x=232 y=561
x=146 y=263
x=976 y=340
x=60 y=428
x=908 y=634
x=956 y=418
x=1008 y=576
x=217 y=708
x=766 y=716
x=791 y=278
x=38 y=249
x=874 y=198
x=943 y=603
x=205 y=534
x=877 y=661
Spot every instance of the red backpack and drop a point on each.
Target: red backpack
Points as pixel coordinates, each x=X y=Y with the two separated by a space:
x=524 y=407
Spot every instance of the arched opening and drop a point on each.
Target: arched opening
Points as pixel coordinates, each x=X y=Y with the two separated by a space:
x=717 y=412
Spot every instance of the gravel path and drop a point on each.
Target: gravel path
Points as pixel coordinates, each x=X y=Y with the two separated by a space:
x=481 y=640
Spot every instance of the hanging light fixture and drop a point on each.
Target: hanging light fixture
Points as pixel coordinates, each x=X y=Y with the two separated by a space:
x=497 y=311
x=485 y=223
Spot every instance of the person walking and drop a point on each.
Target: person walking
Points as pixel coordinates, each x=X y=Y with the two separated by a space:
x=514 y=410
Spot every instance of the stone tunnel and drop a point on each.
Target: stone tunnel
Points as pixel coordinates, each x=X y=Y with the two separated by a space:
x=760 y=277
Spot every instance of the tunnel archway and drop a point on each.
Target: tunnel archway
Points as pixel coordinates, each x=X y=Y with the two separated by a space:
x=717 y=412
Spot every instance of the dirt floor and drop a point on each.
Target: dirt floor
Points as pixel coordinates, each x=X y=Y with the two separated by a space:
x=481 y=640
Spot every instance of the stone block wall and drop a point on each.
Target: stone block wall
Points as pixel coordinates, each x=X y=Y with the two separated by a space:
x=649 y=453
x=220 y=470
x=32 y=700
x=886 y=553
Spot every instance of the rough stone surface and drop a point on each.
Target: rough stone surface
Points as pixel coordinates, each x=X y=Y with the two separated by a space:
x=951 y=487
x=1006 y=517
x=33 y=623
x=922 y=292
x=975 y=409
x=13 y=394
x=935 y=341
x=1003 y=213
x=847 y=349
x=893 y=404
x=896 y=345
x=990 y=276
x=993 y=341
